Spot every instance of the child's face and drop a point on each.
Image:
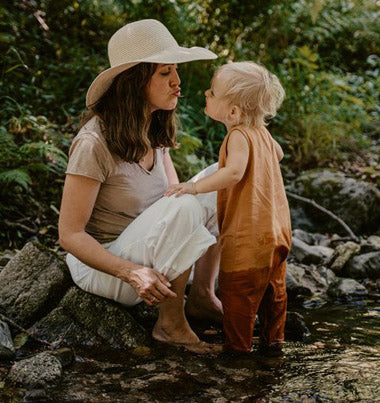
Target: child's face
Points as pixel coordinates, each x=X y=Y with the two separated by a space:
x=216 y=105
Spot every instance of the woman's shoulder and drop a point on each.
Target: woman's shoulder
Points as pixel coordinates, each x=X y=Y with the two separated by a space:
x=91 y=129
x=90 y=140
x=90 y=135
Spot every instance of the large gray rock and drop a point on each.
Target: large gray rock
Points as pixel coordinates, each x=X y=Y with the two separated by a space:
x=310 y=238
x=299 y=218
x=32 y=283
x=7 y=349
x=346 y=289
x=364 y=266
x=303 y=236
x=302 y=280
x=310 y=254
x=295 y=327
x=371 y=244
x=59 y=328
x=40 y=370
x=356 y=202
x=105 y=318
x=342 y=255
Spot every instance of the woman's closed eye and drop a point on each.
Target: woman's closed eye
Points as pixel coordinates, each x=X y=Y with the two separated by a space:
x=168 y=71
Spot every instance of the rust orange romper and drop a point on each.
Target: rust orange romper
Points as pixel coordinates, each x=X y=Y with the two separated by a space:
x=255 y=232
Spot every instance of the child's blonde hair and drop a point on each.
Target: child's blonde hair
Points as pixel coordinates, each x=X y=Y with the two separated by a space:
x=252 y=88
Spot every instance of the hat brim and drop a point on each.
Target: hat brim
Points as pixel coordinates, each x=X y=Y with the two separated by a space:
x=178 y=54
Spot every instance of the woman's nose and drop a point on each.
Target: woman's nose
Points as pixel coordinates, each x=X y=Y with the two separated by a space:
x=175 y=80
x=207 y=92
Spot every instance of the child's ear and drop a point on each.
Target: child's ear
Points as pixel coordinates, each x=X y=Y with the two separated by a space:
x=235 y=114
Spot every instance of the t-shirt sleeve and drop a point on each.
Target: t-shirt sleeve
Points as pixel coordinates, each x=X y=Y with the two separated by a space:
x=88 y=156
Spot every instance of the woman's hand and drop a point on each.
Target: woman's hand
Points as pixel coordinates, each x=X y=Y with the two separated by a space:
x=182 y=188
x=150 y=285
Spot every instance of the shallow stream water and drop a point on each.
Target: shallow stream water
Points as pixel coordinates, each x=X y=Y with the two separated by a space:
x=340 y=362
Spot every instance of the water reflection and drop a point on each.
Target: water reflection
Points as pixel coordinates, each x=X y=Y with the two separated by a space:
x=339 y=363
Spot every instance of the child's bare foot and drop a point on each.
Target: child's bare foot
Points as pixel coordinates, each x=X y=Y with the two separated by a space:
x=207 y=307
x=183 y=337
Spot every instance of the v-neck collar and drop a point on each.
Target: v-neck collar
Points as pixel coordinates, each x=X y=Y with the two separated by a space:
x=149 y=172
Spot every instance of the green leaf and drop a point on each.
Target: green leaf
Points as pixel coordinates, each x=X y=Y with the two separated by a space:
x=317 y=7
x=15 y=67
x=16 y=176
x=20 y=340
x=6 y=37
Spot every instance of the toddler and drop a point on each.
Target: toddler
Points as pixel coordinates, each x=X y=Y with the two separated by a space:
x=253 y=211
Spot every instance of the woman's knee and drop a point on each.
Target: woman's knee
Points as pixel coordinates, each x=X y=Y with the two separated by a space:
x=187 y=205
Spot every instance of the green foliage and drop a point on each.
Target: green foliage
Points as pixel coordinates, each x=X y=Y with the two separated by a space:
x=324 y=53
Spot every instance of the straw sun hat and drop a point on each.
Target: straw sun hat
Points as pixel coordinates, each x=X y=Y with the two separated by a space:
x=141 y=41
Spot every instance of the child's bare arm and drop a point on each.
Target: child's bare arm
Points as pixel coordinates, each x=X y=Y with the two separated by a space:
x=279 y=152
x=237 y=159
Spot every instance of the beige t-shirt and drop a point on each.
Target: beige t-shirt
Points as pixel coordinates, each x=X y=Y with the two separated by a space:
x=126 y=189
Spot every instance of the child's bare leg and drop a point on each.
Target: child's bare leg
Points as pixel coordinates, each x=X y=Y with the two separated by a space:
x=202 y=302
x=172 y=326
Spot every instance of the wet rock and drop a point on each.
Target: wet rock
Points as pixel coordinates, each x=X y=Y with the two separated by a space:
x=294 y=285
x=347 y=289
x=295 y=327
x=363 y=266
x=302 y=280
x=313 y=302
x=36 y=395
x=299 y=218
x=59 y=327
x=371 y=244
x=356 y=202
x=32 y=283
x=40 y=370
x=311 y=238
x=303 y=236
x=145 y=315
x=308 y=254
x=5 y=258
x=105 y=318
x=342 y=255
x=65 y=356
x=7 y=349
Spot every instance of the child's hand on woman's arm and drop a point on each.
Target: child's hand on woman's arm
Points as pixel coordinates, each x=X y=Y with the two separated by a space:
x=182 y=188
x=229 y=175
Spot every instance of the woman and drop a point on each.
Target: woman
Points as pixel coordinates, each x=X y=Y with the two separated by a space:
x=125 y=241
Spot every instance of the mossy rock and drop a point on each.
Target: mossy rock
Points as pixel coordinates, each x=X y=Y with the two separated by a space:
x=356 y=202
x=32 y=284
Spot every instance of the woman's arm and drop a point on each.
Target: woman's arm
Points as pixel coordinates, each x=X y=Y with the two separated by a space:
x=236 y=163
x=79 y=195
x=170 y=170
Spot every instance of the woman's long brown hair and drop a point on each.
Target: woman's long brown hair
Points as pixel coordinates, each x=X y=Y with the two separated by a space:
x=125 y=118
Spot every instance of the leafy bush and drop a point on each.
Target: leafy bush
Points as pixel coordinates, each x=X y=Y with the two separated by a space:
x=324 y=53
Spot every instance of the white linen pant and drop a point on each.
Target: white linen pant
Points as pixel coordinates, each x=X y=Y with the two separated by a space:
x=169 y=236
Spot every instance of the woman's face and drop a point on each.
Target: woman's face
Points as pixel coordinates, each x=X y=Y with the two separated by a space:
x=163 y=89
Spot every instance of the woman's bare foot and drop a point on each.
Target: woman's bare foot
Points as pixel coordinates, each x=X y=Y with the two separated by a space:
x=183 y=336
x=207 y=307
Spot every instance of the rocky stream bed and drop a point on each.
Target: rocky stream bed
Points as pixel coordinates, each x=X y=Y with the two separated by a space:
x=60 y=344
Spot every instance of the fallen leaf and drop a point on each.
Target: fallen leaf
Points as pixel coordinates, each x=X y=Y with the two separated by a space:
x=20 y=340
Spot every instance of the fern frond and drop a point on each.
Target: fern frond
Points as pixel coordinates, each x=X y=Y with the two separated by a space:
x=16 y=177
